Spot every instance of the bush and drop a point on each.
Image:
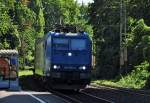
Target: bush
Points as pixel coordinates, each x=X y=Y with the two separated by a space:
x=137 y=78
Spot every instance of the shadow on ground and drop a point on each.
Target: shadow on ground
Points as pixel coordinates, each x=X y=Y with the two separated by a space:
x=29 y=83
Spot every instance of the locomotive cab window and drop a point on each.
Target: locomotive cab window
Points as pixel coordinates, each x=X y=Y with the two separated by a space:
x=61 y=44
x=78 y=44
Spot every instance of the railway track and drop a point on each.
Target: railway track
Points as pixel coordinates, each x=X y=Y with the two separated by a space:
x=78 y=97
x=71 y=96
x=107 y=95
x=131 y=91
x=94 y=94
x=119 y=95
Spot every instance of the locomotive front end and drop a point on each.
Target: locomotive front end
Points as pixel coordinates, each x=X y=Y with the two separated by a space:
x=71 y=61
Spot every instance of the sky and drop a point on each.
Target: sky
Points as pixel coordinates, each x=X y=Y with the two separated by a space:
x=85 y=1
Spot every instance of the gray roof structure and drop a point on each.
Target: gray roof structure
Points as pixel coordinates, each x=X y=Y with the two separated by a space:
x=8 y=52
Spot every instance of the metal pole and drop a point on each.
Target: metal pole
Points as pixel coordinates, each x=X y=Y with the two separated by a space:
x=121 y=28
x=125 y=33
x=123 y=43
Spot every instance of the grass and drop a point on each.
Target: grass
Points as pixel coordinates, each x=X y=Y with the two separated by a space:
x=136 y=79
x=25 y=72
x=26 y=67
x=105 y=82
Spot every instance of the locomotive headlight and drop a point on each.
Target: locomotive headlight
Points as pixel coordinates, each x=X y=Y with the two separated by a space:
x=69 y=54
x=82 y=68
x=56 y=67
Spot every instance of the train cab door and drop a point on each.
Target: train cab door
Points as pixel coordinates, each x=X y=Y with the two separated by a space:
x=4 y=73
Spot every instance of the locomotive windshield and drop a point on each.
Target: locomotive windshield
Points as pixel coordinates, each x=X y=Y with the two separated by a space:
x=78 y=44
x=66 y=44
x=61 y=44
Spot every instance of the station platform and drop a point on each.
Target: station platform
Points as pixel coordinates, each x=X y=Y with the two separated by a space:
x=29 y=97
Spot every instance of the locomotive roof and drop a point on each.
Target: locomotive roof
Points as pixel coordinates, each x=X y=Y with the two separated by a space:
x=83 y=34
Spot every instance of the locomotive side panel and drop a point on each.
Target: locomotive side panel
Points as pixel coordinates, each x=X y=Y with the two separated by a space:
x=48 y=49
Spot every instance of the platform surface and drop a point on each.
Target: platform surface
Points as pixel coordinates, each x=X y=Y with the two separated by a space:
x=29 y=97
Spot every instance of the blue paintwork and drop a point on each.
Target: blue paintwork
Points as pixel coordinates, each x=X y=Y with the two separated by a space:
x=78 y=58
x=61 y=58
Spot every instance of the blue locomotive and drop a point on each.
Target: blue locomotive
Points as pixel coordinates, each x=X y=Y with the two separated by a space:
x=63 y=60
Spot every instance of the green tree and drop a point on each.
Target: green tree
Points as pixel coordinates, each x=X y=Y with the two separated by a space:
x=139 y=9
x=8 y=31
x=105 y=20
x=65 y=12
x=25 y=18
x=52 y=14
x=37 y=7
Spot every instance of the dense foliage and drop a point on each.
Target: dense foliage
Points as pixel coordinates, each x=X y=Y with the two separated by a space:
x=22 y=21
x=105 y=18
x=8 y=30
x=138 y=78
